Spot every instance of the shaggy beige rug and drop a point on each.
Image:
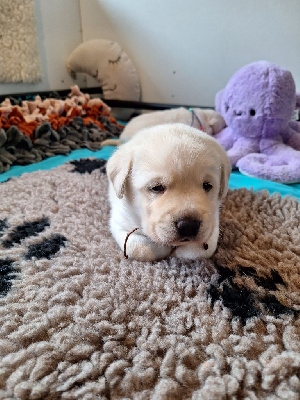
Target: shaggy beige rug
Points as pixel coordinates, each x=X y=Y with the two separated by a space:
x=78 y=321
x=19 y=54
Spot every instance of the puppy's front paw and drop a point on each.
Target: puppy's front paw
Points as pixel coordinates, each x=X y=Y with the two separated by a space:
x=141 y=248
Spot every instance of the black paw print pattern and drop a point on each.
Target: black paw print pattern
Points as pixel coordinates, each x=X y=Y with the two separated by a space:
x=84 y=165
x=44 y=248
x=243 y=302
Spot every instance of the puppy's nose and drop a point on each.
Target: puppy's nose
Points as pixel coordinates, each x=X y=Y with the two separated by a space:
x=188 y=227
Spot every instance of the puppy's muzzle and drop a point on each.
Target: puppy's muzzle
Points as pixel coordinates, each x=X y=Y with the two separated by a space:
x=187 y=228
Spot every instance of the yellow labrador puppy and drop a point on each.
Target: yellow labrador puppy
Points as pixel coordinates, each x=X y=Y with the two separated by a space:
x=208 y=121
x=166 y=187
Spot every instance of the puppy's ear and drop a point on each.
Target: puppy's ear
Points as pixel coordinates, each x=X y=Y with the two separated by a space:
x=118 y=169
x=225 y=170
x=216 y=124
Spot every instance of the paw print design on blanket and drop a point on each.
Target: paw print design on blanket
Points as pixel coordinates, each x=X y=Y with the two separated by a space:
x=13 y=241
x=260 y=138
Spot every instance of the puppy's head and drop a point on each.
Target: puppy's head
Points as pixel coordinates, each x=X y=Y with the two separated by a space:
x=212 y=121
x=175 y=178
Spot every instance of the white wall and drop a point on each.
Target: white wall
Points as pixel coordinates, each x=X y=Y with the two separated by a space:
x=186 y=50
x=59 y=32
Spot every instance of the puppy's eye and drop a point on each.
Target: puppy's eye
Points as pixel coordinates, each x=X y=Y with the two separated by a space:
x=207 y=186
x=158 y=189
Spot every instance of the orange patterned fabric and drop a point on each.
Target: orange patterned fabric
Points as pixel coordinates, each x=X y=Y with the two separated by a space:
x=15 y=117
x=34 y=130
x=89 y=115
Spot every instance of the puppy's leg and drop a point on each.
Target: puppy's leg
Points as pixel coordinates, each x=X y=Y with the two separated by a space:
x=138 y=246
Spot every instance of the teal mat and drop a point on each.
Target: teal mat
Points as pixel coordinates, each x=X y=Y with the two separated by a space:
x=236 y=180
x=53 y=162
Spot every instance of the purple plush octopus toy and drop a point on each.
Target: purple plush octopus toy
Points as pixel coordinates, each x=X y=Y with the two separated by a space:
x=260 y=138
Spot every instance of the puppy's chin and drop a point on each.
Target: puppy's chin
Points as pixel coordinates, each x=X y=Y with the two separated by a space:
x=198 y=249
x=184 y=242
x=178 y=242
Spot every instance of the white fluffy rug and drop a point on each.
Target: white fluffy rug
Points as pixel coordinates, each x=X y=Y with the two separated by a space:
x=19 y=57
x=78 y=321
